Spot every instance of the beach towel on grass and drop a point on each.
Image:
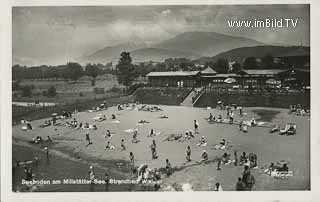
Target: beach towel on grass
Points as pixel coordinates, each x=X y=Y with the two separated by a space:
x=202 y=145
x=130 y=130
x=219 y=146
x=279 y=174
x=155 y=134
x=24 y=128
x=98 y=118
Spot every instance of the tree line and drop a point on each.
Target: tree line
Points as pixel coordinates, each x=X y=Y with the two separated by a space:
x=127 y=72
x=70 y=71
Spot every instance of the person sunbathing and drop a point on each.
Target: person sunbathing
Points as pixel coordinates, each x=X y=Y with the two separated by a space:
x=219 y=118
x=202 y=141
x=204 y=156
x=270 y=169
x=210 y=117
x=37 y=140
x=29 y=126
x=284 y=168
x=225 y=158
x=143 y=121
x=108 y=134
x=109 y=146
x=276 y=128
x=113 y=116
x=163 y=117
x=223 y=142
x=253 y=122
x=173 y=137
x=243 y=158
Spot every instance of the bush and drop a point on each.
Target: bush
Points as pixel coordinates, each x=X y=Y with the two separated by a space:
x=52 y=92
x=98 y=90
x=115 y=89
x=44 y=93
x=26 y=91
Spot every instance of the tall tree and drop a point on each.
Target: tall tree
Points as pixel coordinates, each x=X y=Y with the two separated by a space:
x=74 y=71
x=125 y=69
x=221 y=66
x=267 y=62
x=93 y=71
x=236 y=67
x=250 y=63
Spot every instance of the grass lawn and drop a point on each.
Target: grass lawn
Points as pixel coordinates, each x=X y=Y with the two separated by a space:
x=268 y=147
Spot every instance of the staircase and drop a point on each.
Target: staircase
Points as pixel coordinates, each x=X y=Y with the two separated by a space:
x=188 y=101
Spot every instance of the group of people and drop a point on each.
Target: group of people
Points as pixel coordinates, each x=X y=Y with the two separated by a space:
x=247 y=181
x=298 y=109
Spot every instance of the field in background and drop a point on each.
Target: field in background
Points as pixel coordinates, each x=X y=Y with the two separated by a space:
x=69 y=92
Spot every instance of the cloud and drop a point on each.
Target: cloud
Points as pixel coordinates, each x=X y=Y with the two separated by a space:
x=61 y=33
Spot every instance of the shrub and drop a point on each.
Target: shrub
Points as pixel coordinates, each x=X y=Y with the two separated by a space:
x=52 y=92
x=44 y=93
x=26 y=91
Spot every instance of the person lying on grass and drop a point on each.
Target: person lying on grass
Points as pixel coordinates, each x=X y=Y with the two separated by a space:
x=204 y=156
x=202 y=141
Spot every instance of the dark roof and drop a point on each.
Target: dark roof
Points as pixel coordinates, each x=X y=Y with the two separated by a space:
x=295 y=53
x=208 y=70
x=221 y=76
x=173 y=73
x=262 y=71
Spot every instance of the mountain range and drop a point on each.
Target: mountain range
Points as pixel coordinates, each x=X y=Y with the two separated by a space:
x=190 y=45
x=239 y=54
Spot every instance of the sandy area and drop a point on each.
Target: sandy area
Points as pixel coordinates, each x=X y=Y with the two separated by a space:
x=268 y=147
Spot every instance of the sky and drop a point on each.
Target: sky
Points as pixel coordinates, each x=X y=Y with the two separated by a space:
x=56 y=35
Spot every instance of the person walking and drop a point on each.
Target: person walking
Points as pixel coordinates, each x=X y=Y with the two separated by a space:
x=240 y=186
x=132 y=166
x=88 y=138
x=123 y=147
x=153 y=147
x=188 y=157
x=168 y=167
x=196 y=126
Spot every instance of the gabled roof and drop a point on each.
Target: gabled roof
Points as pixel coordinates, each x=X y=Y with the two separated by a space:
x=173 y=73
x=262 y=71
x=208 y=71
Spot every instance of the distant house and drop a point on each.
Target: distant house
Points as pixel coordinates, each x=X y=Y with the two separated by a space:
x=258 y=77
x=207 y=75
x=255 y=78
x=174 y=78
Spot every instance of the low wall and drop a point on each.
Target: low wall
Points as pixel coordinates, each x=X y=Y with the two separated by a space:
x=253 y=100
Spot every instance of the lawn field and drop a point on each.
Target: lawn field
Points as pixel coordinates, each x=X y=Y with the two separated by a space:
x=268 y=147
